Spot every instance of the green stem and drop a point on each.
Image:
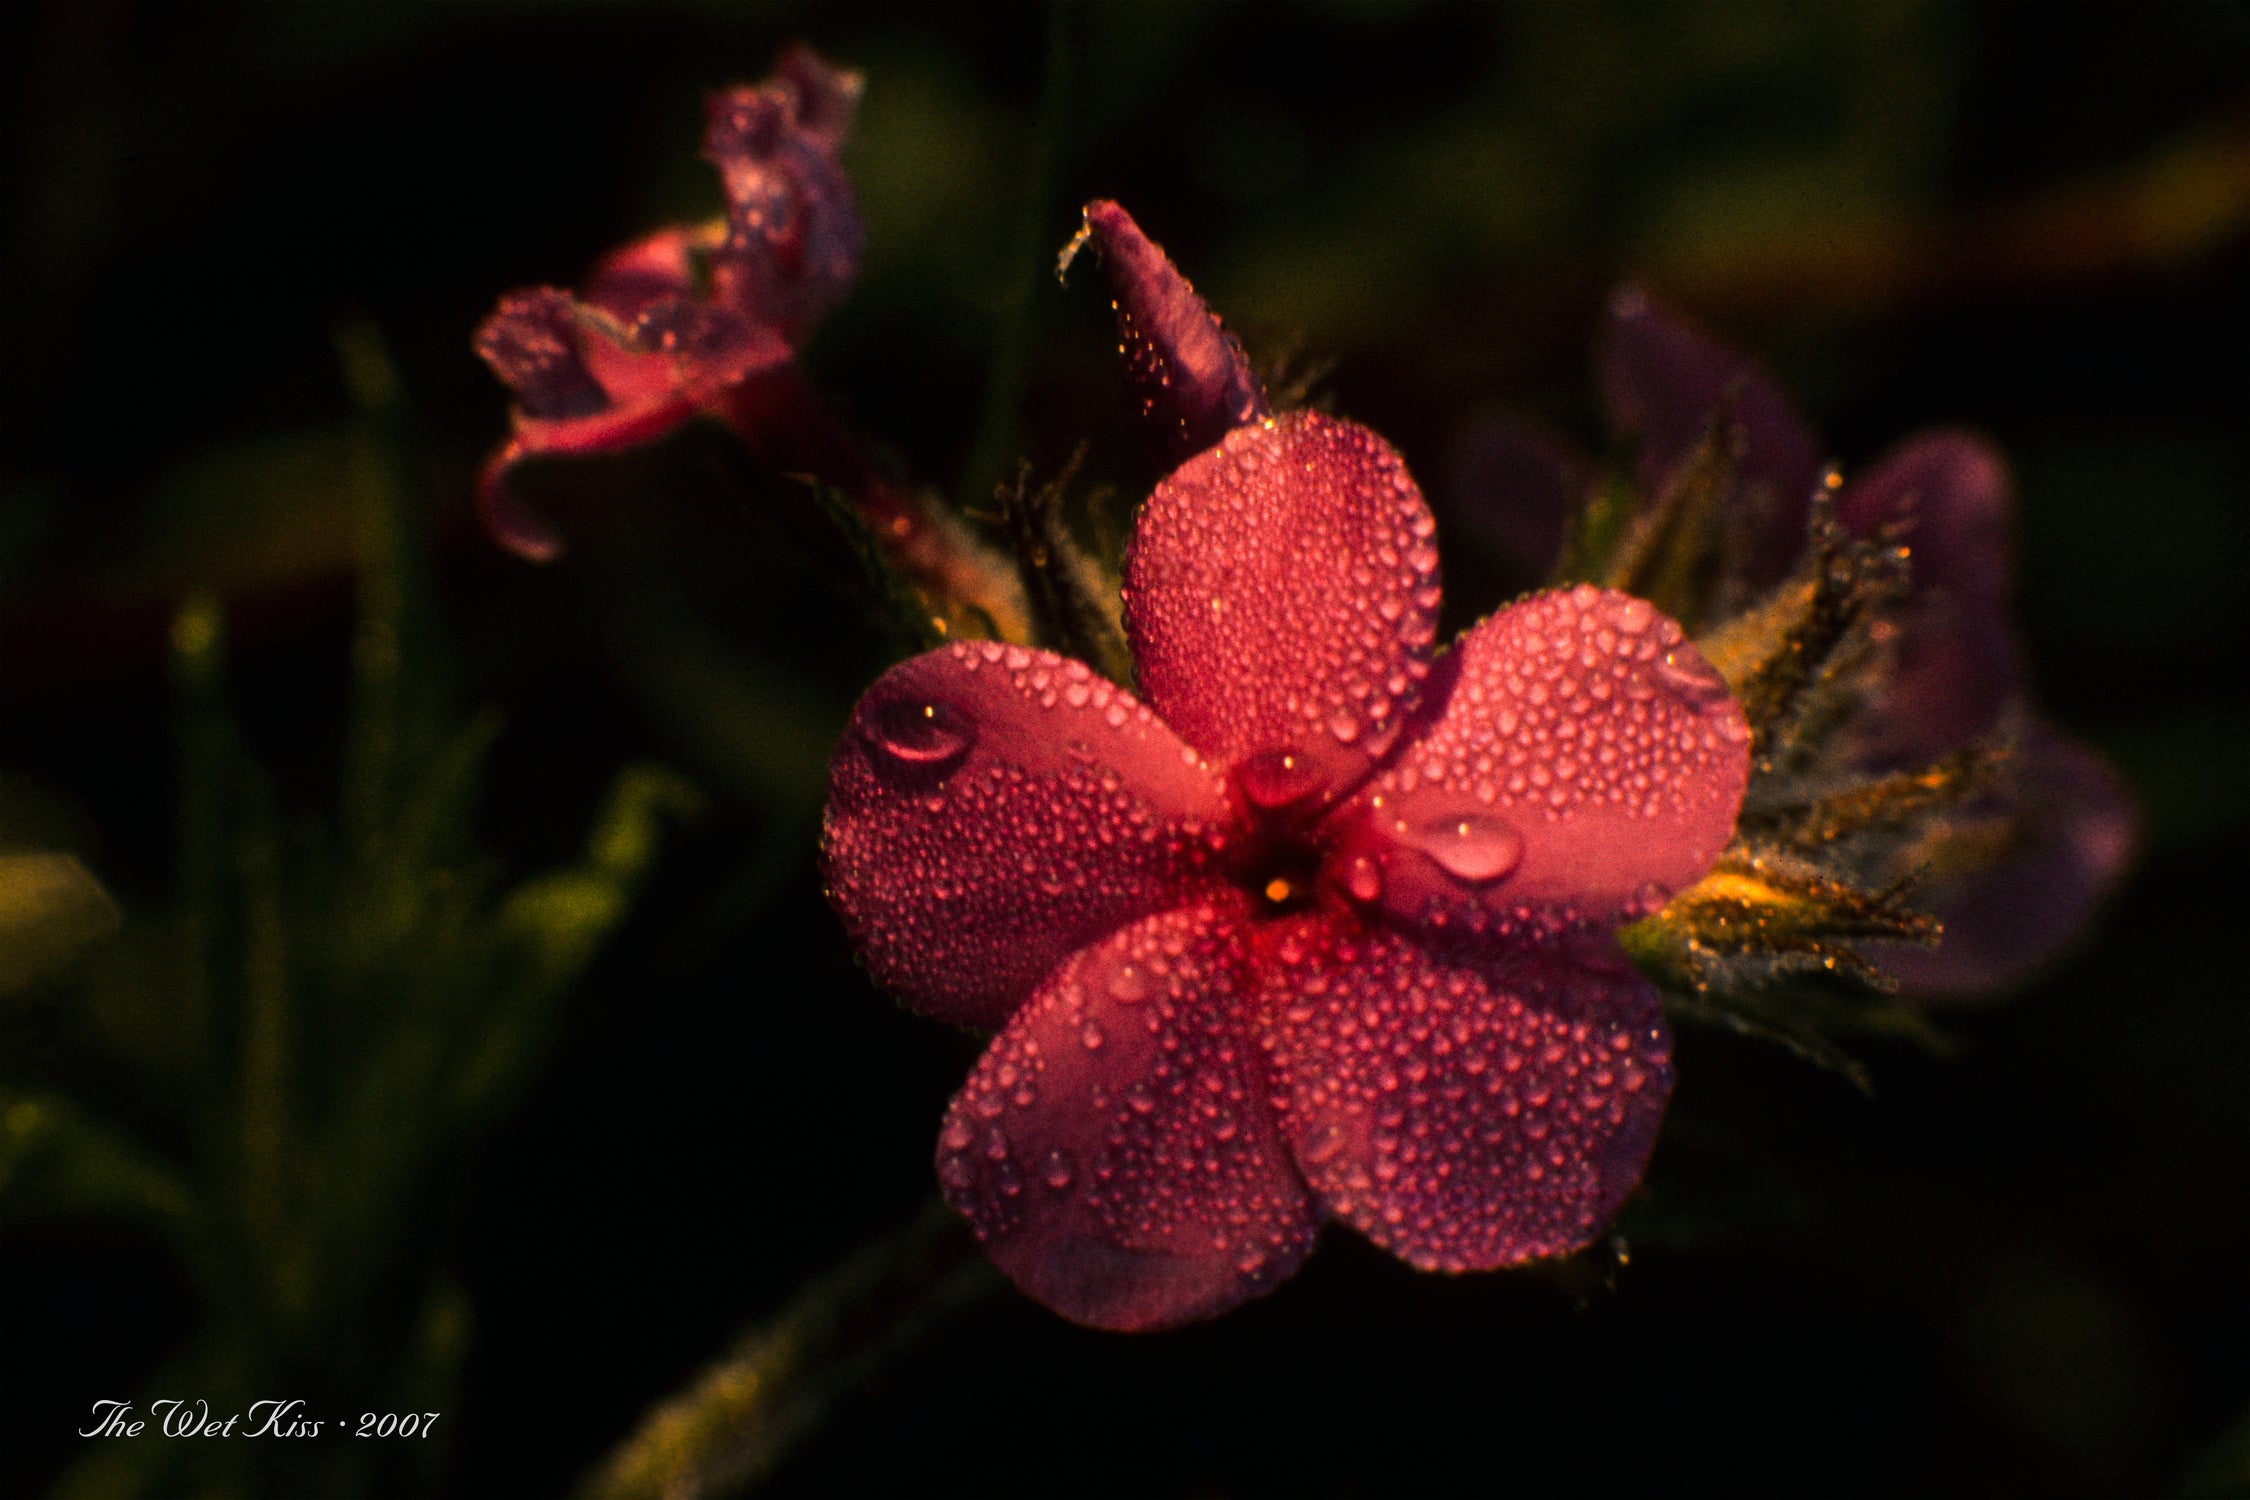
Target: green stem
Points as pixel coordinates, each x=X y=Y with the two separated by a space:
x=735 y=1422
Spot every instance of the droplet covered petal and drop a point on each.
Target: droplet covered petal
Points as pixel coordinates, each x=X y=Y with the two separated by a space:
x=1194 y=382
x=1281 y=596
x=991 y=809
x=1464 y=1116
x=1116 y=1148
x=1581 y=763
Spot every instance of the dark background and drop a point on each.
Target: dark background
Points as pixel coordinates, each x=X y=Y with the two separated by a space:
x=2017 y=1271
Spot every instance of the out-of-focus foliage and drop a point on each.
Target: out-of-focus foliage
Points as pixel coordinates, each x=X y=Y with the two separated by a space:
x=2019 y=1271
x=304 y=1048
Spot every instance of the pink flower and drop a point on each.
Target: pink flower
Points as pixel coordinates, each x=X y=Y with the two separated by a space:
x=1320 y=926
x=1958 y=672
x=700 y=319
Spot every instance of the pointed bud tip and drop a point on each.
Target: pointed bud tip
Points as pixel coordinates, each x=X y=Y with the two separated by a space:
x=1195 y=382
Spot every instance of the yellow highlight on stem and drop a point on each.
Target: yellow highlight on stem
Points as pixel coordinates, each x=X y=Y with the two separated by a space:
x=1724 y=885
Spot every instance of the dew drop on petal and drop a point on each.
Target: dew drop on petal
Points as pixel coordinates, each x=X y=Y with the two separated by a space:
x=1472 y=847
x=1694 y=680
x=1128 y=984
x=1276 y=778
x=1364 y=879
x=922 y=735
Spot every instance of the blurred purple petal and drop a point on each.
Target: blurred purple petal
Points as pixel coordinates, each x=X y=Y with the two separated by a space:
x=2077 y=820
x=793 y=234
x=1662 y=381
x=1949 y=495
x=1518 y=485
x=535 y=342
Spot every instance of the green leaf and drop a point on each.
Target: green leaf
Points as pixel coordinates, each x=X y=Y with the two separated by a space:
x=51 y=909
x=56 y=1160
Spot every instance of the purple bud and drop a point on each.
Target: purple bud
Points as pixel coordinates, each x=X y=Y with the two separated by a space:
x=1193 y=379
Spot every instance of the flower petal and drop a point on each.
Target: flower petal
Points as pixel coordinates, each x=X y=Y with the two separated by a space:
x=536 y=342
x=1281 y=595
x=1582 y=762
x=588 y=382
x=2076 y=821
x=992 y=809
x=1519 y=485
x=1194 y=381
x=1464 y=1116
x=793 y=236
x=1957 y=662
x=506 y=518
x=1116 y=1148
x=1662 y=381
x=512 y=523
x=649 y=270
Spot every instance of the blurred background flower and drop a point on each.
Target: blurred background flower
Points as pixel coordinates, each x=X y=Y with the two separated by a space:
x=2019 y=1270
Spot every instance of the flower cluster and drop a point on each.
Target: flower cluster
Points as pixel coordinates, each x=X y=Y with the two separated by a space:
x=1326 y=921
x=684 y=322
x=1320 y=926
x=2016 y=864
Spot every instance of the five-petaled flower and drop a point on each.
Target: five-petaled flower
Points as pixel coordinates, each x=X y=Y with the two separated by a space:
x=1318 y=926
x=2044 y=845
x=688 y=320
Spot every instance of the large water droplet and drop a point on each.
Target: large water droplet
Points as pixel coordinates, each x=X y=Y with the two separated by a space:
x=1277 y=778
x=921 y=734
x=1473 y=847
x=1685 y=672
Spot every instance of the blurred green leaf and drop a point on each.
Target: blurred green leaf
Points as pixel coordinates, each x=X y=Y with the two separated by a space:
x=51 y=908
x=56 y=1160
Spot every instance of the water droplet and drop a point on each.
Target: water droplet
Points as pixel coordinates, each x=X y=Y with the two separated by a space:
x=922 y=735
x=1059 y=1169
x=1470 y=846
x=1128 y=985
x=1277 y=778
x=1090 y=1035
x=1364 y=879
x=1685 y=672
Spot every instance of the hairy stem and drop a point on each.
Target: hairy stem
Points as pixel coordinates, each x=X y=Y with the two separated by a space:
x=738 y=1419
